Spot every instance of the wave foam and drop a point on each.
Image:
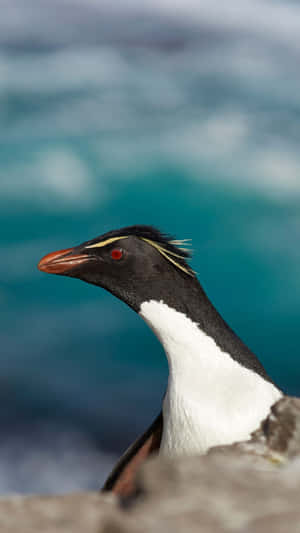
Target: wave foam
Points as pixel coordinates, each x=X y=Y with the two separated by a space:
x=52 y=459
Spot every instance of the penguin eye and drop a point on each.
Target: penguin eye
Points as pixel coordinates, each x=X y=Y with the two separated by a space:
x=116 y=254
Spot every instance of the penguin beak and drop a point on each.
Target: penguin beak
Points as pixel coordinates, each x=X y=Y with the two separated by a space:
x=62 y=261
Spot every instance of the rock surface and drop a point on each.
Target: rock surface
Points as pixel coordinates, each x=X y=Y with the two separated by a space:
x=249 y=487
x=71 y=513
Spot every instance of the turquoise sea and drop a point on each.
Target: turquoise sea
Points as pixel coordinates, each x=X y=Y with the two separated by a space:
x=184 y=116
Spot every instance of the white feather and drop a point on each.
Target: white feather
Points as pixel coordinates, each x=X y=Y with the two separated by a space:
x=211 y=399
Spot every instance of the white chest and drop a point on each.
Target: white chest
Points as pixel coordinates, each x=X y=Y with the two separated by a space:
x=211 y=399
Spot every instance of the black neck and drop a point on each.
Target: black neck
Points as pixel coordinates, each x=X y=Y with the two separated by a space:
x=186 y=295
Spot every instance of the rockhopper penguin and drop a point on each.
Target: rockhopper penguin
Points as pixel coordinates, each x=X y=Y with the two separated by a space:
x=218 y=392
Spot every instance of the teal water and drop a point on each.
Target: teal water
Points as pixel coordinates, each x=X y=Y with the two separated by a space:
x=185 y=122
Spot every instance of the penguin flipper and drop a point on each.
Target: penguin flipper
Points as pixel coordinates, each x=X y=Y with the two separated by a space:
x=121 y=480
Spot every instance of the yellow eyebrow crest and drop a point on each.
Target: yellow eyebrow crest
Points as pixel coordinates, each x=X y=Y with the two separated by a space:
x=165 y=253
x=105 y=243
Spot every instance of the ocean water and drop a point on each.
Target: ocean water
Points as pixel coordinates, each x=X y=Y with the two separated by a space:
x=184 y=116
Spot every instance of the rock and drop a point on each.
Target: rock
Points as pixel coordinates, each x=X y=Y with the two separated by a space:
x=213 y=494
x=72 y=513
x=249 y=487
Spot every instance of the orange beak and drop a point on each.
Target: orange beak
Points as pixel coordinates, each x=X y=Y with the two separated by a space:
x=62 y=261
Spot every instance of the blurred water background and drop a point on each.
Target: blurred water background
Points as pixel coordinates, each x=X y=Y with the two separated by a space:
x=184 y=115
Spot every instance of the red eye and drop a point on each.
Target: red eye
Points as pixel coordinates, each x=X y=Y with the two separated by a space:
x=116 y=254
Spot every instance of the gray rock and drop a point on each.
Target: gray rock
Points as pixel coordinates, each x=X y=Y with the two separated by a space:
x=72 y=513
x=249 y=487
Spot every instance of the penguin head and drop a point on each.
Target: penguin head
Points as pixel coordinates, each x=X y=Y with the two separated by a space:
x=135 y=263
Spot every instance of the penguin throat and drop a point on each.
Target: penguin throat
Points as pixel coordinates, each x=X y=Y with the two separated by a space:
x=211 y=398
